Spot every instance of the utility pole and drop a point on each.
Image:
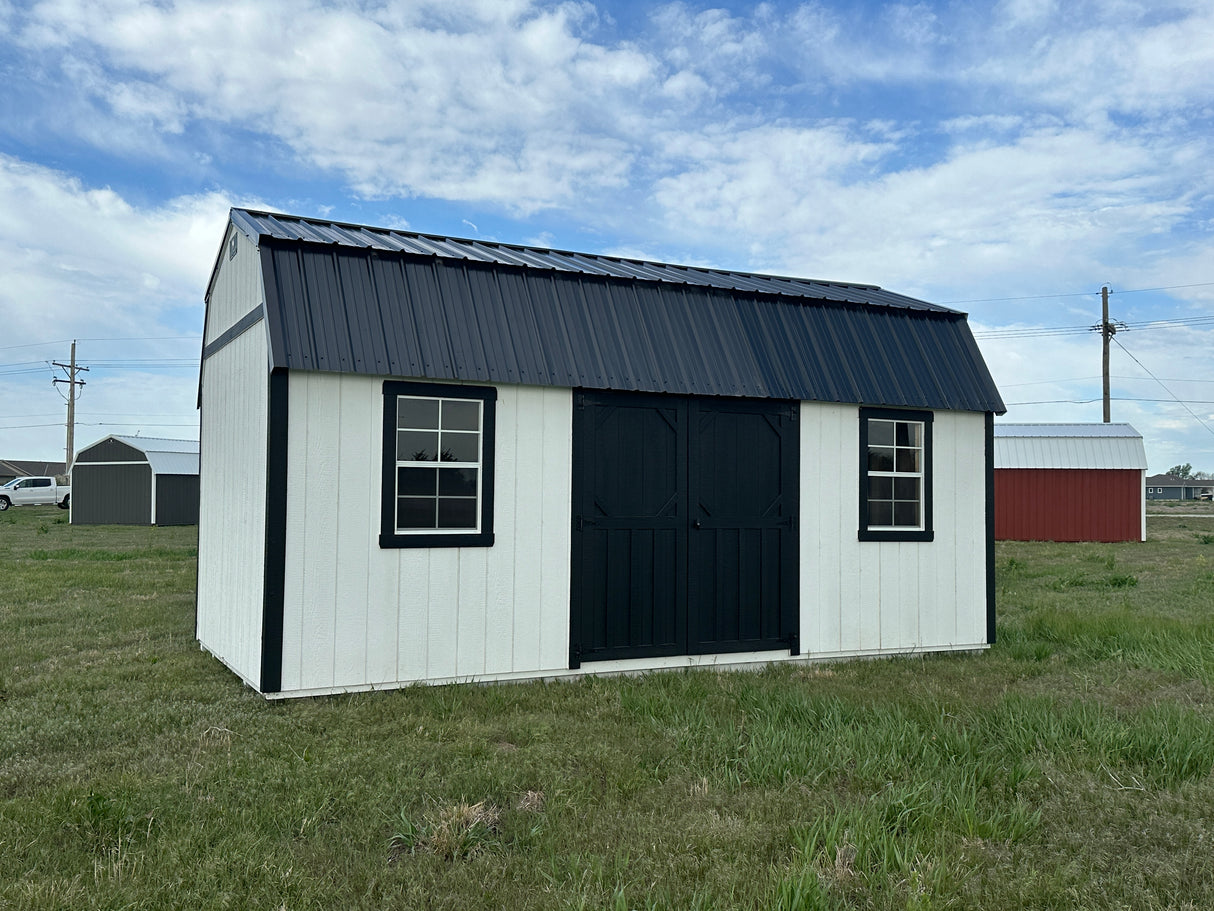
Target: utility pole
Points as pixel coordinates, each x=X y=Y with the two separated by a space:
x=1106 y=332
x=72 y=383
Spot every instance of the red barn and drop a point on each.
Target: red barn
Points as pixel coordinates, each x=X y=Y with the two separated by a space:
x=1069 y=482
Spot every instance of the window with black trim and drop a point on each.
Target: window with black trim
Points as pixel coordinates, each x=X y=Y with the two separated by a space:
x=437 y=485
x=895 y=475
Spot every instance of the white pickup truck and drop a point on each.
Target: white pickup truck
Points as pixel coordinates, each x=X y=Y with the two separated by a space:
x=34 y=492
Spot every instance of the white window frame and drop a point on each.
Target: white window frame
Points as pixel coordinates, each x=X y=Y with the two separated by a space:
x=393 y=534
x=922 y=421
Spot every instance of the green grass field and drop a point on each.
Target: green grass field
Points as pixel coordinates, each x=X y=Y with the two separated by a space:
x=1072 y=766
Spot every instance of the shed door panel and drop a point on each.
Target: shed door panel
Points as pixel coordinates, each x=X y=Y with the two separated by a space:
x=685 y=526
x=743 y=516
x=633 y=535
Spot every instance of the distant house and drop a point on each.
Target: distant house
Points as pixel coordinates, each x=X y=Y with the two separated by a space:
x=125 y=480
x=1069 y=482
x=20 y=468
x=429 y=459
x=1170 y=487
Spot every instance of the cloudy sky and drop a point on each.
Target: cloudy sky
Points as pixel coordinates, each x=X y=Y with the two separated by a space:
x=1007 y=159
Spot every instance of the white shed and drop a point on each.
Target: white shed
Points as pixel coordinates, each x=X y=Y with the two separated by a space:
x=427 y=459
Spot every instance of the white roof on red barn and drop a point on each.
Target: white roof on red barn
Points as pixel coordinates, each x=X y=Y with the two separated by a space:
x=1071 y=446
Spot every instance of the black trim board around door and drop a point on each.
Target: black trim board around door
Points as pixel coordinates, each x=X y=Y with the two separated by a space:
x=685 y=526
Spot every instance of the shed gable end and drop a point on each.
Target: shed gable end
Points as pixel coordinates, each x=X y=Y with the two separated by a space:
x=110 y=450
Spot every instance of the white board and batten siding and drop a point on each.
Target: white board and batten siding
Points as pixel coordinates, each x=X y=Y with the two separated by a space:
x=876 y=597
x=359 y=616
x=232 y=479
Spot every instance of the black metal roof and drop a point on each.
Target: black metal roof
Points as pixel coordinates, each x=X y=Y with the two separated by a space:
x=353 y=299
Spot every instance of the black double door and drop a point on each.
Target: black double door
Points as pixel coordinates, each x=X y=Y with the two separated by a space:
x=685 y=526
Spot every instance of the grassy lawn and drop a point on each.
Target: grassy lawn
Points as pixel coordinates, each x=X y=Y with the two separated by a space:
x=1072 y=766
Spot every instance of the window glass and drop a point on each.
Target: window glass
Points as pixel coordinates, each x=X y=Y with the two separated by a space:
x=443 y=431
x=418 y=414
x=895 y=492
x=457 y=482
x=459 y=446
x=461 y=415
x=416 y=446
x=880 y=458
x=906 y=515
x=880 y=433
x=416 y=512
x=417 y=481
x=453 y=513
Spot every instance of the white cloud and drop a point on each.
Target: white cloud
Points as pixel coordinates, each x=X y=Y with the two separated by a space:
x=500 y=103
x=85 y=253
x=82 y=262
x=825 y=202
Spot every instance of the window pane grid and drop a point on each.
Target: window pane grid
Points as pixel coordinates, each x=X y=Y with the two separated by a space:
x=438 y=459
x=895 y=474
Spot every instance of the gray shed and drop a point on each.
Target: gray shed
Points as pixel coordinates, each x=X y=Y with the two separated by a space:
x=123 y=480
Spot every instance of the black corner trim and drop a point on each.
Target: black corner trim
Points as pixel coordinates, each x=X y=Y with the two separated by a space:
x=269 y=282
x=927 y=533
x=990 y=528
x=388 y=536
x=233 y=332
x=275 y=534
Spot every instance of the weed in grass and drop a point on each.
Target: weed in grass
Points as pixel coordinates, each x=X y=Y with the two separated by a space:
x=449 y=832
x=802 y=892
x=1204 y=538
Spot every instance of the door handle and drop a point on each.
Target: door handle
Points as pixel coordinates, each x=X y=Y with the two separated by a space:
x=696 y=524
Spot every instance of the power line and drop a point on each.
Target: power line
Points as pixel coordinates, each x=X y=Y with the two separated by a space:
x=1088 y=379
x=1040 y=331
x=135 y=423
x=1116 y=398
x=1165 y=388
x=1041 y=297
x=129 y=338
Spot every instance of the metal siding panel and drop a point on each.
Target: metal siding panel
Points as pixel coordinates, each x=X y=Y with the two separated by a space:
x=289 y=329
x=367 y=336
x=395 y=304
x=329 y=315
x=177 y=499
x=354 y=311
x=1067 y=451
x=426 y=287
x=170 y=463
x=1067 y=505
x=112 y=495
x=553 y=339
x=256 y=225
x=109 y=450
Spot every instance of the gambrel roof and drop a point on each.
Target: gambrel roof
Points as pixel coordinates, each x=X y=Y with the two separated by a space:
x=1069 y=446
x=354 y=299
x=165 y=456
